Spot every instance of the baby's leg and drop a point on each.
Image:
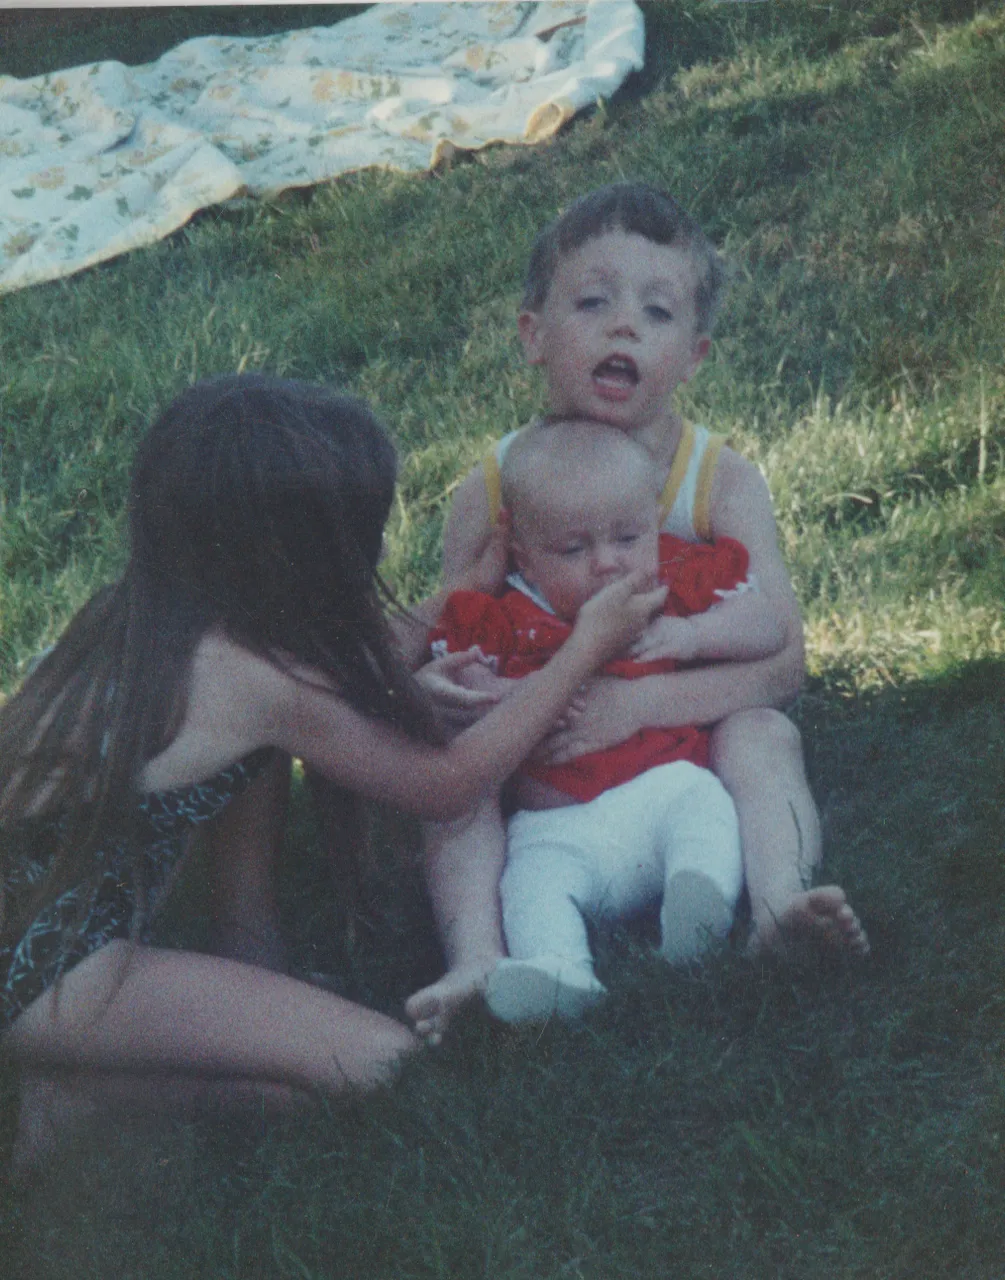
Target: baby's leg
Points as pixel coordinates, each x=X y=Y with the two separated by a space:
x=758 y=756
x=464 y=860
x=703 y=868
x=547 y=883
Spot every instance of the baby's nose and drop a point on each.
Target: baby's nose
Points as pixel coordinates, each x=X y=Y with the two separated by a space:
x=606 y=558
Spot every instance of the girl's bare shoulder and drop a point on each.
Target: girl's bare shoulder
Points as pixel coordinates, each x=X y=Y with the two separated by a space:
x=235 y=700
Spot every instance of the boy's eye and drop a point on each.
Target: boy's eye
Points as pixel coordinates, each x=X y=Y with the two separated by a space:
x=590 y=302
x=660 y=314
x=573 y=549
x=628 y=539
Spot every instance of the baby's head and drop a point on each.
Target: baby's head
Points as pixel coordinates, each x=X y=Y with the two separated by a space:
x=635 y=208
x=583 y=509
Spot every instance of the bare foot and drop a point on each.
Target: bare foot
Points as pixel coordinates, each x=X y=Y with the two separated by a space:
x=432 y=1008
x=817 y=920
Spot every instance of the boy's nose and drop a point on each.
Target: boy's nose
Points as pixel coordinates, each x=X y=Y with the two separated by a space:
x=623 y=322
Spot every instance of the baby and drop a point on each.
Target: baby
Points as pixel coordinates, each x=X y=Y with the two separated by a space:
x=645 y=820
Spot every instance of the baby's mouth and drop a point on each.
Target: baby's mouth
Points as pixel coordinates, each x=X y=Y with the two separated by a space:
x=617 y=371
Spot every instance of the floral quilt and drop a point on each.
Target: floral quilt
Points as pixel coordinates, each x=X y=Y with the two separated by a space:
x=104 y=158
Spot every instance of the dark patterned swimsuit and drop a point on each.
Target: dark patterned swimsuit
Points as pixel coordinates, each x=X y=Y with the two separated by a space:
x=56 y=939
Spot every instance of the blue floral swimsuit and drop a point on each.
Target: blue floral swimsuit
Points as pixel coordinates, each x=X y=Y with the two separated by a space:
x=56 y=939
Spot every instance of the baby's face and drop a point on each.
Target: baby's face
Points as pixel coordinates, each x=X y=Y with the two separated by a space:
x=583 y=537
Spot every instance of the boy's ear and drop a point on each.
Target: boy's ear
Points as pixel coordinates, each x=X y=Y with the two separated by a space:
x=528 y=325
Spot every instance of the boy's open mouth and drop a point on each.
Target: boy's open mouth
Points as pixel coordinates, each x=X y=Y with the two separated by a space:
x=617 y=375
x=619 y=370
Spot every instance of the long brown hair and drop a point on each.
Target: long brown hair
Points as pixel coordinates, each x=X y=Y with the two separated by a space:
x=257 y=505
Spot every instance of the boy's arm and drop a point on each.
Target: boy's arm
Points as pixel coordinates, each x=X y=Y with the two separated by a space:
x=741 y=509
x=615 y=709
x=474 y=557
x=743 y=627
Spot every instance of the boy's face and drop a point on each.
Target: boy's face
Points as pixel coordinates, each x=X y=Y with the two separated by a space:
x=616 y=334
x=592 y=529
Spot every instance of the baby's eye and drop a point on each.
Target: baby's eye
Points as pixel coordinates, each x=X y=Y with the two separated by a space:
x=573 y=549
x=660 y=314
x=628 y=539
x=590 y=302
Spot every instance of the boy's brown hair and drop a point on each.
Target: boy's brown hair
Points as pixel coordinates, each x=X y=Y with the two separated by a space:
x=637 y=209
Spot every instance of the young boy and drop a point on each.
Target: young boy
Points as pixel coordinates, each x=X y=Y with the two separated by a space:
x=618 y=308
x=643 y=820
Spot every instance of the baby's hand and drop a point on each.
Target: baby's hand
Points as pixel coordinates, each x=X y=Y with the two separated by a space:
x=667 y=638
x=460 y=680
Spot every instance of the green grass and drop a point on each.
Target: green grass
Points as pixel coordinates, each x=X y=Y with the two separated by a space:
x=745 y=1121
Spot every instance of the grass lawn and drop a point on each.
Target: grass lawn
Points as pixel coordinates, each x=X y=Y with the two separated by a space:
x=745 y=1120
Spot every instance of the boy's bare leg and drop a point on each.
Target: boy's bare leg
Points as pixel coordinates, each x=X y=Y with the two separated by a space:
x=464 y=860
x=758 y=756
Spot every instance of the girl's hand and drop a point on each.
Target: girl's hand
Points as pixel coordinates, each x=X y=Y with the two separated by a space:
x=667 y=638
x=617 y=615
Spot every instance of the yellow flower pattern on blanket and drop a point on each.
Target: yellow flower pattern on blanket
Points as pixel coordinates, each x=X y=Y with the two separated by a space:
x=104 y=158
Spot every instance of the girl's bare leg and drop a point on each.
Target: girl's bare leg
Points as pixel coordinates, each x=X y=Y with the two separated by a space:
x=216 y=1029
x=464 y=860
x=758 y=756
x=57 y=1106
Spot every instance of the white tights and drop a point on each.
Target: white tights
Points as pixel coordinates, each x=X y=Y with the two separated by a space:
x=669 y=834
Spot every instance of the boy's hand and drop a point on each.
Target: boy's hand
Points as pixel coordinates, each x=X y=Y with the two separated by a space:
x=606 y=714
x=674 y=638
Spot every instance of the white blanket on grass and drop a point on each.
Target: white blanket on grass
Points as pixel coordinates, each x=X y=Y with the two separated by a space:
x=104 y=158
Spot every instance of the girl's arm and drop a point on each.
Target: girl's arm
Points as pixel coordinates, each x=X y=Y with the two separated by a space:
x=380 y=762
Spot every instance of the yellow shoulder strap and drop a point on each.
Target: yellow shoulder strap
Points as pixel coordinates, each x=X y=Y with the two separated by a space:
x=703 y=490
x=677 y=471
x=493 y=484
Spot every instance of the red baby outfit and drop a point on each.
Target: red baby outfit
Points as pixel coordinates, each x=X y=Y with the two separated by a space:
x=521 y=636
